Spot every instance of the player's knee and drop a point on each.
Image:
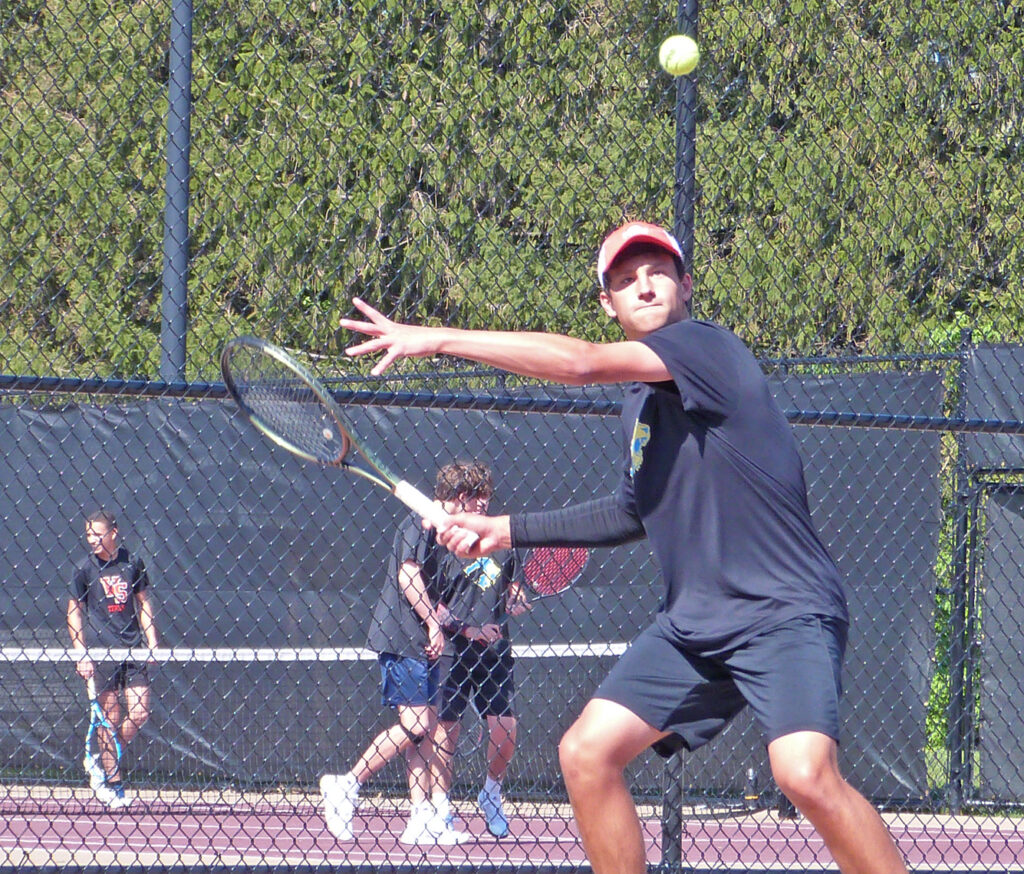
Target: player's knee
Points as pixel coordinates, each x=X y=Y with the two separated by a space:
x=809 y=785
x=578 y=758
x=415 y=736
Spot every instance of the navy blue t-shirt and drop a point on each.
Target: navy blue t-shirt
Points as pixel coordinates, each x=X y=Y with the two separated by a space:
x=713 y=471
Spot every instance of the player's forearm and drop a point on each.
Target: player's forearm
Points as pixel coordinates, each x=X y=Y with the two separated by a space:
x=76 y=627
x=146 y=623
x=552 y=357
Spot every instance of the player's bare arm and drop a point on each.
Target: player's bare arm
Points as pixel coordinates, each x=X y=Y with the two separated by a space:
x=76 y=628
x=553 y=357
x=414 y=588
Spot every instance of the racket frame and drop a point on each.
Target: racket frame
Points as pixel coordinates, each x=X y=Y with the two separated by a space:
x=98 y=719
x=376 y=473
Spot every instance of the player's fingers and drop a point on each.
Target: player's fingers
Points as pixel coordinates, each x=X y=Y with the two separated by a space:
x=384 y=363
x=359 y=327
x=372 y=313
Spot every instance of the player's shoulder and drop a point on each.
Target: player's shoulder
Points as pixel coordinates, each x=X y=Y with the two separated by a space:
x=82 y=565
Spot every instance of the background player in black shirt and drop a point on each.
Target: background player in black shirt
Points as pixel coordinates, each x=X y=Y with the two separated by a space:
x=110 y=607
x=753 y=614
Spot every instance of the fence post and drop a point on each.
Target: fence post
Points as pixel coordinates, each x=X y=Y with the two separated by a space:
x=174 y=305
x=958 y=716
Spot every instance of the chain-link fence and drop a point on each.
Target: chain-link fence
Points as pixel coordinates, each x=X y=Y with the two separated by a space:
x=847 y=179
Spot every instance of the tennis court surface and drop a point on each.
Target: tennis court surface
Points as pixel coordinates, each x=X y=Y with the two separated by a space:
x=250 y=813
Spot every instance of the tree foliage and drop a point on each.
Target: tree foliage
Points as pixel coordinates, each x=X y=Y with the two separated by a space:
x=857 y=173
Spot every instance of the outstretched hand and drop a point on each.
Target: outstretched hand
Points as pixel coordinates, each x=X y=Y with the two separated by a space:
x=394 y=339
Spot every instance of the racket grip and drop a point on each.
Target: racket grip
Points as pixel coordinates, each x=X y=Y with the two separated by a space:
x=420 y=504
x=90 y=688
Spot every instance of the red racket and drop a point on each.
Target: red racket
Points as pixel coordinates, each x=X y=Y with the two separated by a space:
x=550 y=570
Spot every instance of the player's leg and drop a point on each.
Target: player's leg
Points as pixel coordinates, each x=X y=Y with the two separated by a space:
x=495 y=692
x=501 y=745
x=417 y=722
x=418 y=715
x=110 y=703
x=453 y=704
x=341 y=791
x=593 y=754
x=791 y=675
x=137 y=702
x=657 y=695
x=806 y=767
x=446 y=739
x=391 y=742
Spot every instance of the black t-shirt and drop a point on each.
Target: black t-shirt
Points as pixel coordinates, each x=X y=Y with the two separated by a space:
x=107 y=590
x=478 y=592
x=396 y=628
x=713 y=471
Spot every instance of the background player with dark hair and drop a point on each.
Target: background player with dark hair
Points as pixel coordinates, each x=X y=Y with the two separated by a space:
x=110 y=607
x=480 y=667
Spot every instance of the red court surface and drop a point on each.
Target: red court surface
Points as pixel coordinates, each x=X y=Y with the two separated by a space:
x=288 y=832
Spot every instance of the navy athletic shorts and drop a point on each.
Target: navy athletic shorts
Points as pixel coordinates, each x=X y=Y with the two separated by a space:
x=407 y=682
x=481 y=675
x=790 y=676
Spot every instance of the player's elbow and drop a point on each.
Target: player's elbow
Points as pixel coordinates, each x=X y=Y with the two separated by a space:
x=586 y=366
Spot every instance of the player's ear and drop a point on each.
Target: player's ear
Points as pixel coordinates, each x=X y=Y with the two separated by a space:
x=686 y=286
x=607 y=305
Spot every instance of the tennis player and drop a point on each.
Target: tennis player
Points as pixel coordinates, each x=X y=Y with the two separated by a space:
x=408 y=636
x=754 y=612
x=479 y=667
x=109 y=607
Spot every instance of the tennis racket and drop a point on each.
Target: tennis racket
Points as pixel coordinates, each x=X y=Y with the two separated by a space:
x=288 y=404
x=93 y=761
x=550 y=570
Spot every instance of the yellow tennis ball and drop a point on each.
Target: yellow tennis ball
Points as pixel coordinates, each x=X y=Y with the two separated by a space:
x=678 y=55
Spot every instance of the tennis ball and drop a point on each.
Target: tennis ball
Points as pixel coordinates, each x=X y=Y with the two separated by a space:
x=678 y=55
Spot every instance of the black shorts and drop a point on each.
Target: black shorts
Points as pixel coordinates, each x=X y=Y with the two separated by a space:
x=481 y=675
x=789 y=675
x=115 y=676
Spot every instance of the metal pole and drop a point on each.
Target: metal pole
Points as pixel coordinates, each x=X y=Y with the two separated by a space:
x=958 y=715
x=682 y=226
x=686 y=141
x=174 y=305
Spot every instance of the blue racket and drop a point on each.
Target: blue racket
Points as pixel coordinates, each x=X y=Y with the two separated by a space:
x=93 y=761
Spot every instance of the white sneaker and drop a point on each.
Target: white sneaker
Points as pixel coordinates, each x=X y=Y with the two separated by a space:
x=120 y=799
x=417 y=830
x=341 y=796
x=442 y=825
x=494 y=813
x=97 y=776
x=105 y=793
x=445 y=835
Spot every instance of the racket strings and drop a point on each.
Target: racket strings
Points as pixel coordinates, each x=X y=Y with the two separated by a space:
x=550 y=570
x=283 y=403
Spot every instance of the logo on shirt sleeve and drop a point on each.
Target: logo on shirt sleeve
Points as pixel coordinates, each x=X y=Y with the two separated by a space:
x=641 y=437
x=484 y=572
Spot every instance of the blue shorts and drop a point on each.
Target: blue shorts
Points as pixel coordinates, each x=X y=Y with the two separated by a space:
x=789 y=675
x=408 y=682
